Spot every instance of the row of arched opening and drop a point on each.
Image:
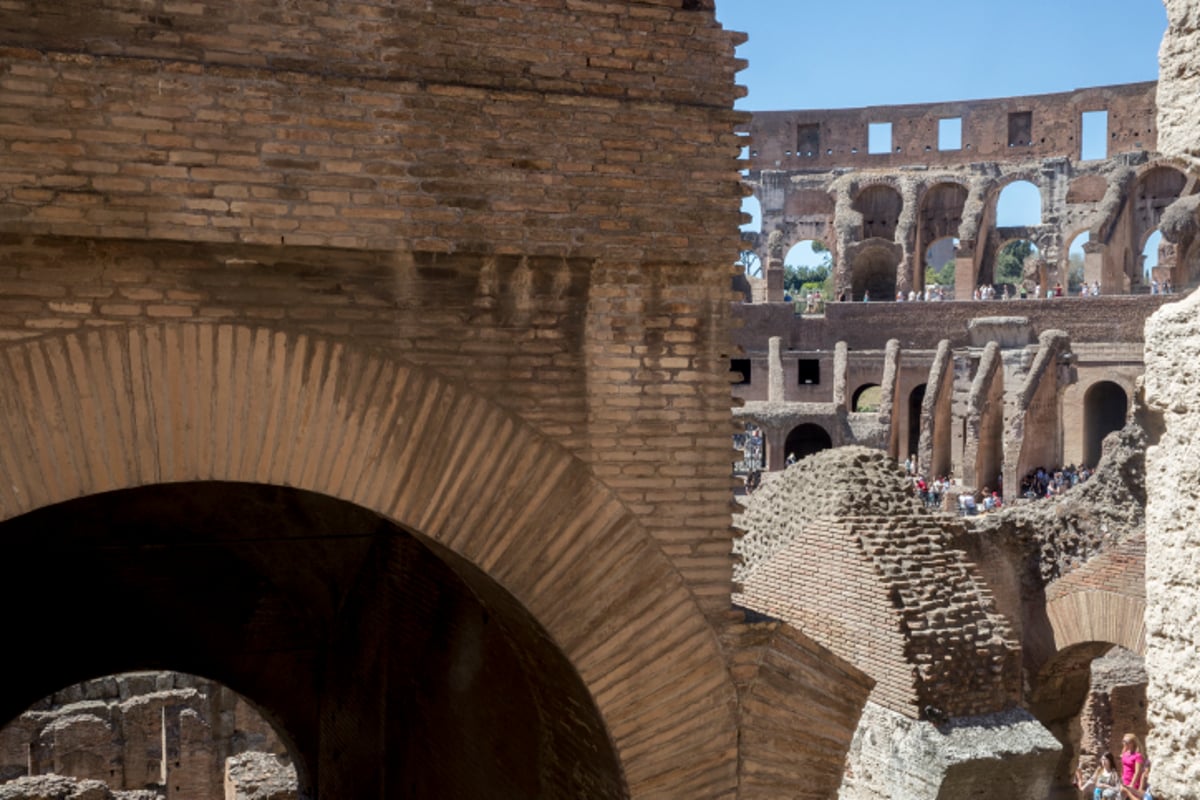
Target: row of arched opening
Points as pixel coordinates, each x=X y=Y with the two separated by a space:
x=1018 y=206
x=1105 y=408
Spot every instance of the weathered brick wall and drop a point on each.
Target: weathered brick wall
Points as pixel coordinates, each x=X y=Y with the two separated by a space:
x=1056 y=130
x=477 y=186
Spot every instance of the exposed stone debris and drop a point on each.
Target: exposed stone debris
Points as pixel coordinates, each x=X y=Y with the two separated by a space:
x=841 y=548
x=259 y=776
x=1063 y=532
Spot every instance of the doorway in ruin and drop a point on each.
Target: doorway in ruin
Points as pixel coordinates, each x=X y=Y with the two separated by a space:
x=806 y=439
x=390 y=664
x=168 y=733
x=1105 y=406
x=874 y=275
x=915 y=398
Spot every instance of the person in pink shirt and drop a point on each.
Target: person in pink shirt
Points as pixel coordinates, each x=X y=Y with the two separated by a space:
x=1133 y=763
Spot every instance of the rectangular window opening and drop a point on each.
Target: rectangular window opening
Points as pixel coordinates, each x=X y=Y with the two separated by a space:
x=808 y=371
x=741 y=367
x=1093 y=141
x=950 y=133
x=808 y=140
x=1020 y=129
x=879 y=137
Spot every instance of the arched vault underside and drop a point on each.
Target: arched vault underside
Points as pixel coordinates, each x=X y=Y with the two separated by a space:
x=114 y=409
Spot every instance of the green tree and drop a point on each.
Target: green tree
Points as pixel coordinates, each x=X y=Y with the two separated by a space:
x=1010 y=262
x=795 y=279
x=942 y=277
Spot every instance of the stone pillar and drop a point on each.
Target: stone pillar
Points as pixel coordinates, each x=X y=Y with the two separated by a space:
x=964 y=275
x=774 y=371
x=1172 y=357
x=774 y=268
x=841 y=360
x=774 y=440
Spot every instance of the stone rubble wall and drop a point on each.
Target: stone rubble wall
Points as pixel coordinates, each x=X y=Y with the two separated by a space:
x=1173 y=543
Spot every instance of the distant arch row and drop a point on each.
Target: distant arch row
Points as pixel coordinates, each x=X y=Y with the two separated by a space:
x=1129 y=252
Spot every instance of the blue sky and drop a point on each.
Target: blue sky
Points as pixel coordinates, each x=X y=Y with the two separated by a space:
x=850 y=53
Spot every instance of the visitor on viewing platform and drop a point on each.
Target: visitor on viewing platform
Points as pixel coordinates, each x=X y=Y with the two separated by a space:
x=1095 y=288
x=1039 y=483
x=1058 y=290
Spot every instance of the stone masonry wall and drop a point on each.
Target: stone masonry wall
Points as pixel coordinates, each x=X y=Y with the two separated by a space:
x=1173 y=548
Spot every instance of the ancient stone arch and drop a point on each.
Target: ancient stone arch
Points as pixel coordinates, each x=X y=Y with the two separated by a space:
x=1098 y=615
x=113 y=409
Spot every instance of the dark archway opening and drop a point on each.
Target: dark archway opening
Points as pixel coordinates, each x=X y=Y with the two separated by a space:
x=1104 y=408
x=806 y=439
x=874 y=276
x=915 y=398
x=395 y=667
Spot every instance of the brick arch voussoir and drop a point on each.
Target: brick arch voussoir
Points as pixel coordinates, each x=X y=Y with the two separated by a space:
x=118 y=408
x=1098 y=616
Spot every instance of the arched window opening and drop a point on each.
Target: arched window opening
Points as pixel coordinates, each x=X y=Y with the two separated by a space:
x=866 y=398
x=1159 y=258
x=807 y=268
x=1017 y=267
x=1019 y=205
x=1105 y=406
x=177 y=734
x=940 y=263
x=804 y=440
